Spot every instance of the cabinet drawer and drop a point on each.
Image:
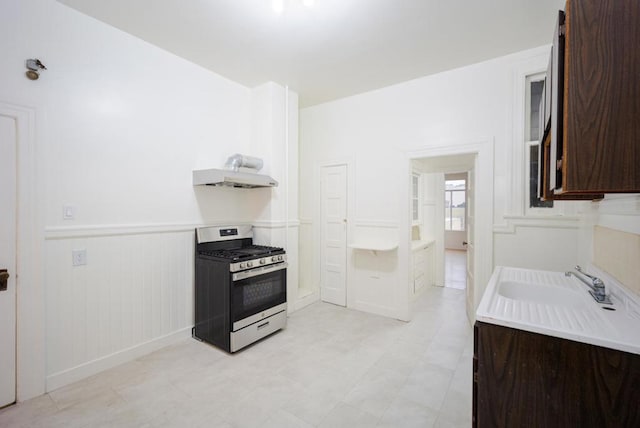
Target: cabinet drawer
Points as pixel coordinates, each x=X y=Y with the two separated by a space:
x=258 y=330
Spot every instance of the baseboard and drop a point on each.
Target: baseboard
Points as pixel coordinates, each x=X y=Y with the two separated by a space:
x=372 y=308
x=307 y=300
x=74 y=374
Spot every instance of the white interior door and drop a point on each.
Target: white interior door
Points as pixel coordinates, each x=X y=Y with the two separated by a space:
x=333 y=257
x=8 y=260
x=470 y=203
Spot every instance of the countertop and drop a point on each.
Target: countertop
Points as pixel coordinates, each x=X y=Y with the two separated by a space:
x=584 y=320
x=420 y=244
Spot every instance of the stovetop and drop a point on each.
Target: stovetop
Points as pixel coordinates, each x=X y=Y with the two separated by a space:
x=248 y=252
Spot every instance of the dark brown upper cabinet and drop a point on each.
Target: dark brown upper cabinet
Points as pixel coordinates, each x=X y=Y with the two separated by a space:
x=591 y=144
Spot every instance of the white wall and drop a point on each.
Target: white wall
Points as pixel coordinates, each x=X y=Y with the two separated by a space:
x=275 y=136
x=453 y=239
x=118 y=127
x=377 y=129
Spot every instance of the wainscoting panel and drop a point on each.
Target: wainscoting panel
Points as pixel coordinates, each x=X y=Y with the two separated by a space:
x=134 y=290
x=372 y=279
x=309 y=265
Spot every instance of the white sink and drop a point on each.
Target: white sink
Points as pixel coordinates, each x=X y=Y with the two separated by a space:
x=554 y=304
x=536 y=293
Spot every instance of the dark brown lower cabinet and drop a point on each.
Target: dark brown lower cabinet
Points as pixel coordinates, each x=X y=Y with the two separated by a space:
x=524 y=379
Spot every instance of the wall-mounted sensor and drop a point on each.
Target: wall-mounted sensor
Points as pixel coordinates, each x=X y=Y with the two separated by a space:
x=33 y=68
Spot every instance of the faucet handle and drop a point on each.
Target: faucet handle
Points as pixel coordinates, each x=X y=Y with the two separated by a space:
x=593 y=278
x=597 y=282
x=598 y=289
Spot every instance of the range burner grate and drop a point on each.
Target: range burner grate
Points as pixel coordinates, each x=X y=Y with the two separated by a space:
x=244 y=253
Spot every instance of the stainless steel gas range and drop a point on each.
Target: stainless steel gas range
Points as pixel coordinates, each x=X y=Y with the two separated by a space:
x=240 y=288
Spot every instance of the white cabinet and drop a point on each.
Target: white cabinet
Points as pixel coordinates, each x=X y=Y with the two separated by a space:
x=416 y=199
x=422 y=265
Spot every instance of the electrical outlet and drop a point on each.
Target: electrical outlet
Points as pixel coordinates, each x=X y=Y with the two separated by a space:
x=68 y=212
x=79 y=257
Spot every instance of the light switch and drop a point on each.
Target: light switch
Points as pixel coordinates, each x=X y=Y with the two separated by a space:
x=79 y=257
x=68 y=212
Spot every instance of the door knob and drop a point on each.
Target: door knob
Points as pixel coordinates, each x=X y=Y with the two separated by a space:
x=4 y=277
x=465 y=243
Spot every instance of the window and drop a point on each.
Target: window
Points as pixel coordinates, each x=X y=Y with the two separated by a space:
x=455 y=204
x=532 y=136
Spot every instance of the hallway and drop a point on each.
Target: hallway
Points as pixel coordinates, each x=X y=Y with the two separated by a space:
x=455 y=269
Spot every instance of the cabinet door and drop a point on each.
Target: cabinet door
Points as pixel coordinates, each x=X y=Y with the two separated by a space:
x=416 y=199
x=419 y=269
x=524 y=379
x=557 y=105
x=601 y=150
x=547 y=171
x=429 y=274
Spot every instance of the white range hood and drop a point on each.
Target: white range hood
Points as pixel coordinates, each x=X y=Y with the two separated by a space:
x=225 y=177
x=232 y=176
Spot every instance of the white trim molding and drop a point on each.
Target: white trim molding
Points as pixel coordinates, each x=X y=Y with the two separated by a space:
x=30 y=294
x=90 y=231
x=306 y=299
x=376 y=223
x=513 y=222
x=74 y=374
x=276 y=224
x=483 y=148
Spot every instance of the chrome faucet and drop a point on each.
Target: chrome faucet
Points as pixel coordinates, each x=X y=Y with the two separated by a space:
x=597 y=289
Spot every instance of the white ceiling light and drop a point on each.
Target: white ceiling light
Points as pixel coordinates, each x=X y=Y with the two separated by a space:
x=279 y=5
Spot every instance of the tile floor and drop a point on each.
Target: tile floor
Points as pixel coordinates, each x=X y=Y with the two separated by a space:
x=331 y=367
x=455 y=269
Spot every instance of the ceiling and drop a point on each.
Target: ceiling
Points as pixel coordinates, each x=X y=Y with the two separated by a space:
x=335 y=48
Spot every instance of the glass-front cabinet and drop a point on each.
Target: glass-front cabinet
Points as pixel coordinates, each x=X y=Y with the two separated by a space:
x=416 y=216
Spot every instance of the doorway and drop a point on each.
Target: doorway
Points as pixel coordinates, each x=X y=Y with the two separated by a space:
x=455 y=229
x=8 y=239
x=333 y=230
x=446 y=215
x=476 y=159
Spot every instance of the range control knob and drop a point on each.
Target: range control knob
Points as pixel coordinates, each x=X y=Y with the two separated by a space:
x=249 y=264
x=242 y=265
x=263 y=261
x=274 y=258
x=280 y=257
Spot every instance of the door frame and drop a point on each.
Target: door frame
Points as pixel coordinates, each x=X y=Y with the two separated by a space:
x=349 y=163
x=483 y=148
x=30 y=296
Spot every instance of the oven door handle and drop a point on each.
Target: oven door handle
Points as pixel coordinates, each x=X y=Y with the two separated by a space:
x=258 y=271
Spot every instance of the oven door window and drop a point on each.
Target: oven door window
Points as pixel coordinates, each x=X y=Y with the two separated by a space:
x=258 y=293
